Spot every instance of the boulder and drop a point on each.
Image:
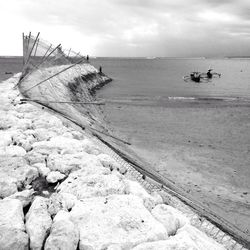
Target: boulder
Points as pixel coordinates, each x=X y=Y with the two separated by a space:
x=25 y=175
x=13 y=151
x=56 y=203
x=66 y=163
x=38 y=222
x=68 y=199
x=92 y=185
x=13 y=239
x=25 y=196
x=16 y=169
x=7 y=120
x=167 y=245
x=133 y=187
x=120 y=220
x=11 y=214
x=8 y=185
x=57 y=144
x=110 y=163
x=199 y=239
x=54 y=176
x=64 y=234
x=42 y=169
x=187 y=238
x=170 y=217
x=90 y=147
x=42 y=134
x=6 y=138
x=34 y=157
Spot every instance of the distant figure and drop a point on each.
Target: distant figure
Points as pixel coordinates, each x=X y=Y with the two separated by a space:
x=87 y=58
x=209 y=74
x=100 y=69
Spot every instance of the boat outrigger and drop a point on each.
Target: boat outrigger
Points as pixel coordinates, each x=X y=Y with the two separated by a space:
x=198 y=76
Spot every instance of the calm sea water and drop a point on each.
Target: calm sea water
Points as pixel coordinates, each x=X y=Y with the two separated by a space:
x=9 y=65
x=163 y=78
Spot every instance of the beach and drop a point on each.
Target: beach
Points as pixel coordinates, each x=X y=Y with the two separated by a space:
x=195 y=149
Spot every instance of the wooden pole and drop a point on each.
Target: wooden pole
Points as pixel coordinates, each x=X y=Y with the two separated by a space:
x=36 y=47
x=23 y=47
x=32 y=48
x=69 y=52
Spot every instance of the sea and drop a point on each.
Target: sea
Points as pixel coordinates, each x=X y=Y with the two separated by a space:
x=195 y=134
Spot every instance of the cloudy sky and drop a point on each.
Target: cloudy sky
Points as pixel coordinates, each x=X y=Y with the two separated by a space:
x=130 y=27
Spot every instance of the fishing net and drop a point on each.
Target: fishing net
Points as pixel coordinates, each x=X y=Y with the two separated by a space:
x=63 y=80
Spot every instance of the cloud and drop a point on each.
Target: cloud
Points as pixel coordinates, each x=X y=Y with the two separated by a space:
x=134 y=28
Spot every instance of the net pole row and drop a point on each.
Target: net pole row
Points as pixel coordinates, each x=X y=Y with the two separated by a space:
x=32 y=48
x=43 y=60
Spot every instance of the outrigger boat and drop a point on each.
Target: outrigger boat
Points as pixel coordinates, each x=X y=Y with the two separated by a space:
x=198 y=76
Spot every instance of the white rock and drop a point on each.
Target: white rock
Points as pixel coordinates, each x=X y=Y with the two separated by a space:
x=13 y=239
x=38 y=222
x=64 y=234
x=109 y=162
x=6 y=138
x=8 y=185
x=187 y=238
x=13 y=151
x=42 y=134
x=23 y=124
x=115 y=219
x=34 y=157
x=92 y=185
x=58 y=143
x=56 y=203
x=25 y=196
x=66 y=163
x=133 y=187
x=42 y=169
x=167 y=245
x=17 y=168
x=11 y=214
x=7 y=120
x=54 y=176
x=170 y=217
x=90 y=147
x=199 y=239
x=69 y=199
x=25 y=175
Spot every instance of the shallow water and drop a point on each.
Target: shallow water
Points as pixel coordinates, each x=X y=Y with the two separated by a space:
x=163 y=78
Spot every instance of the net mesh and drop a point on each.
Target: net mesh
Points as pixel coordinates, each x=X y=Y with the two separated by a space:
x=62 y=80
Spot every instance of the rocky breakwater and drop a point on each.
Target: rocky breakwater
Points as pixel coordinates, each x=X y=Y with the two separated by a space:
x=59 y=190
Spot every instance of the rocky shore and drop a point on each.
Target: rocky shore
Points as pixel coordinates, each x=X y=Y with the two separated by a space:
x=59 y=190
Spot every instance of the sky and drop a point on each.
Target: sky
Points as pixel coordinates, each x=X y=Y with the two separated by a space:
x=130 y=28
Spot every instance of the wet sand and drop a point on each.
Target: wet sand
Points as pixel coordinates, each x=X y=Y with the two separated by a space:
x=204 y=147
